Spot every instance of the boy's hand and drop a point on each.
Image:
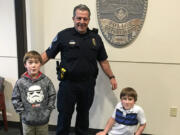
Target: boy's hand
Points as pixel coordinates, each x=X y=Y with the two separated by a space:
x=101 y=133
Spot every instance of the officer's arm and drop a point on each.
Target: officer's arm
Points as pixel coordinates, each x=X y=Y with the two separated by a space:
x=44 y=58
x=107 y=70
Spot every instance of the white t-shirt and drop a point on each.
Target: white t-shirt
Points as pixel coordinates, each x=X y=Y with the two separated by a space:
x=126 y=121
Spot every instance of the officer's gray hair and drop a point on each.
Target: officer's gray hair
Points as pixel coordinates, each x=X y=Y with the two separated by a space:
x=81 y=7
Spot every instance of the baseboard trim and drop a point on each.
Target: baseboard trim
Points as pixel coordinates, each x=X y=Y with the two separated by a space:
x=14 y=124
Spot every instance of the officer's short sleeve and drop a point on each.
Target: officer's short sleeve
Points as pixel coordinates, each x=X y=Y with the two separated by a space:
x=114 y=112
x=54 y=48
x=102 y=54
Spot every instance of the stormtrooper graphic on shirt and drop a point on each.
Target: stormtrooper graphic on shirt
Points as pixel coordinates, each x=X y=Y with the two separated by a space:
x=35 y=94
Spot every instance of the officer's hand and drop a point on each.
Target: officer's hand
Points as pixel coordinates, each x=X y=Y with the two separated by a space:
x=113 y=83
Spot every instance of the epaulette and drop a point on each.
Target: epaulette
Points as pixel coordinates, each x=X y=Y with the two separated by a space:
x=95 y=30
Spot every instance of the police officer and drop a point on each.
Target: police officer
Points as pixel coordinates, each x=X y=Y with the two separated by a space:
x=80 y=49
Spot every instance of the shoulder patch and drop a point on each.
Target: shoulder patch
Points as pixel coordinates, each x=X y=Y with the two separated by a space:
x=55 y=39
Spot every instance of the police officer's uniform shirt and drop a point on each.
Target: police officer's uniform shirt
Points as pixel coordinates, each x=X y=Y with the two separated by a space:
x=79 y=52
x=126 y=121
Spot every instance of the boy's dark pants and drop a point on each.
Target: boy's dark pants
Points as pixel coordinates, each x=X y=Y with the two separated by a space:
x=71 y=93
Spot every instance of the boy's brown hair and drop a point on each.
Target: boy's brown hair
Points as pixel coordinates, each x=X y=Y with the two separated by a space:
x=130 y=92
x=32 y=54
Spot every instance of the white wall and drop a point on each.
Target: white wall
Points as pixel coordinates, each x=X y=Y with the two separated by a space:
x=150 y=64
x=35 y=24
x=8 y=53
x=7 y=26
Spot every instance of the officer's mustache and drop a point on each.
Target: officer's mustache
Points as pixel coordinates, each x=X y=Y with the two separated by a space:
x=81 y=24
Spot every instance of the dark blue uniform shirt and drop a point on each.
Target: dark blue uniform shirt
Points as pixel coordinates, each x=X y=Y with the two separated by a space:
x=79 y=52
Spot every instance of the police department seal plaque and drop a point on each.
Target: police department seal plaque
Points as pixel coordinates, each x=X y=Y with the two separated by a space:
x=121 y=20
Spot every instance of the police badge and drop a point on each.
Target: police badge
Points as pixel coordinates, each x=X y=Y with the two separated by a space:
x=121 y=20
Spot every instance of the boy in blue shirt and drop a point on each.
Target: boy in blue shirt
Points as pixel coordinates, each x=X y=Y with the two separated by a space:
x=126 y=116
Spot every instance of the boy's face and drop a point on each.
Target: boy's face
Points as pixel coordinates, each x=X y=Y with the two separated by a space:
x=33 y=66
x=127 y=102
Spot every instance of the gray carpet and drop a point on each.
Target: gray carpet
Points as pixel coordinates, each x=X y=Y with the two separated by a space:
x=16 y=131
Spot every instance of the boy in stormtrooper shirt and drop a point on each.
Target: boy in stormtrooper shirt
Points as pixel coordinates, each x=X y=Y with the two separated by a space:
x=34 y=96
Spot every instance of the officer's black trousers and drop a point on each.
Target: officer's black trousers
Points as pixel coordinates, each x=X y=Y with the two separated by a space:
x=73 y=93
